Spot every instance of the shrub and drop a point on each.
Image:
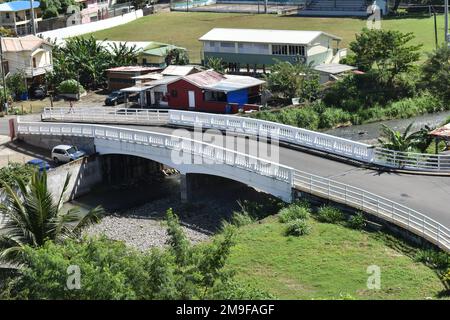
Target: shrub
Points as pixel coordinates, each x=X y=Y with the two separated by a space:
x=234 y=290
x=241 y=218
x=22 y=171
x=331 y=117
x=329 y=214
x=298 y=227
x=111 y=270
x=70 y=86
x=357 y=221
x=307 y=118
x=293 y=212
x=433 y=258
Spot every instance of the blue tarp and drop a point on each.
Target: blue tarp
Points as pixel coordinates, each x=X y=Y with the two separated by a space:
x=14 y=6
x=238 y=96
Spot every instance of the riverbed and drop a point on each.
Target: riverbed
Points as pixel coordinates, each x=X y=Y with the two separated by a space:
x=370 y=132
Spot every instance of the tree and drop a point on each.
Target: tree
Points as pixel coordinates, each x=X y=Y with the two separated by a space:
x=287 y=81
x=16 y=83
x=436 y=73
x=177 y=56
x=216 y=64
x=122 y=54
x=406 y=142
x=110 y=270
x=32 y=217
x=387 y=52
x=87 y=59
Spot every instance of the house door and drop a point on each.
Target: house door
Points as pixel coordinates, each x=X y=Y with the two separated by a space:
x=191 y=95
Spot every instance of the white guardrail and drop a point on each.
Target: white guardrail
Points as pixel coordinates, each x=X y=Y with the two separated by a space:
x=386 y=209
x=302 y=137
x=216 y=154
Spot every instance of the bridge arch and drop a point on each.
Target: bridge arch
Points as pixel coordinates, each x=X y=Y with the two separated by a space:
x=268 y=184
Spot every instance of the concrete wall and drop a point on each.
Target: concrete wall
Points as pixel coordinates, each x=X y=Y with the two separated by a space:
x=76 y=30
x=48 y=142
x=85 y=174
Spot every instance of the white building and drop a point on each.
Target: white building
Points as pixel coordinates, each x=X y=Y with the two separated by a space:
x=30 y=54
x=250 y=48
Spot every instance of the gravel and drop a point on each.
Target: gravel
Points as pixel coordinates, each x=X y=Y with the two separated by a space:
x=143 y=227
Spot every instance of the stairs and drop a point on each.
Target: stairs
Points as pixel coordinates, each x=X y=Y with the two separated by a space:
x=335 y=8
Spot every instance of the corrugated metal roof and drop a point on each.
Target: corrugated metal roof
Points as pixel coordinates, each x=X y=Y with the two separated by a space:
x=264 y=36
x=443 y=132
x=205 y=78
x=179 y=70
x=213 y=80
x=17 y=44
x=333 y=68
x=14 y=6
x=133 y=69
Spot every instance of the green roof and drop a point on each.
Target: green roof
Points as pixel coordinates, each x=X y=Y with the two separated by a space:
x=158 y=49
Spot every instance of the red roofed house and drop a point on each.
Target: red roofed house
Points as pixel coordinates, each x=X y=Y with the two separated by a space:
x=210 y=91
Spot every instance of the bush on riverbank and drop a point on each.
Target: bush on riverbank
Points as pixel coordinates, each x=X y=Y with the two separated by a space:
x=318 y=116
x=108 y=269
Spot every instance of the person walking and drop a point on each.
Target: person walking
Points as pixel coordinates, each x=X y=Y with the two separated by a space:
x=70 y=106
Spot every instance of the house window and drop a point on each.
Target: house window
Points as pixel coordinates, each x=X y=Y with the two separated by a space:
x=5 y=67
x=7 y=15
x=34 y=62
x=174 y=93
x=215 y=96
x=227 y=47
x=296 y=50
x=144 y=61
x=279 y=50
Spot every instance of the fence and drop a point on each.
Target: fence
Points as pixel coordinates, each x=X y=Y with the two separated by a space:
x=301 y=137
x=298 y=136
x=79 y=29
x=219 y=155
x=357 y=198
x=248 y=6
x=386 y=209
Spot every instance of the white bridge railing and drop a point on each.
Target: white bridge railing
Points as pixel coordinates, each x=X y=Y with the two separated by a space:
x=215 y=154
x=381 y=207
x=301 y=137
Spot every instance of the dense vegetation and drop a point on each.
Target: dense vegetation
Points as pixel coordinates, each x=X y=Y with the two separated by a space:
x=392 y=86
x=31 y=217
x=299 y=254
x=86 y=60
x=110 y=270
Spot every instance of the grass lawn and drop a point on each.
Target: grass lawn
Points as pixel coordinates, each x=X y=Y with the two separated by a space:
x=328 y=263
x=184 y=28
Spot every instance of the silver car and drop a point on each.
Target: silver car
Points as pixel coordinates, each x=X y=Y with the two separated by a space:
x=66 y=153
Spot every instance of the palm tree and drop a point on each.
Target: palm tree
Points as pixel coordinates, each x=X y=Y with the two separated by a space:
x=31 y=217
x=395 y=140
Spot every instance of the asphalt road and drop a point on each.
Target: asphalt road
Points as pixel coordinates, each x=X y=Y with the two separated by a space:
x=429 y=195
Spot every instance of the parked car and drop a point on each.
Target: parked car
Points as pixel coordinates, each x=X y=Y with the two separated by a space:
x=66 y=153
x=115 y=98
x=37 y=92
x=40 y=164
x=118 y=97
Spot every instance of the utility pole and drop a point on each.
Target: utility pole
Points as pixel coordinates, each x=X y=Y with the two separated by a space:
x=3 y=106
x=33 y=25
x=447 y=40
